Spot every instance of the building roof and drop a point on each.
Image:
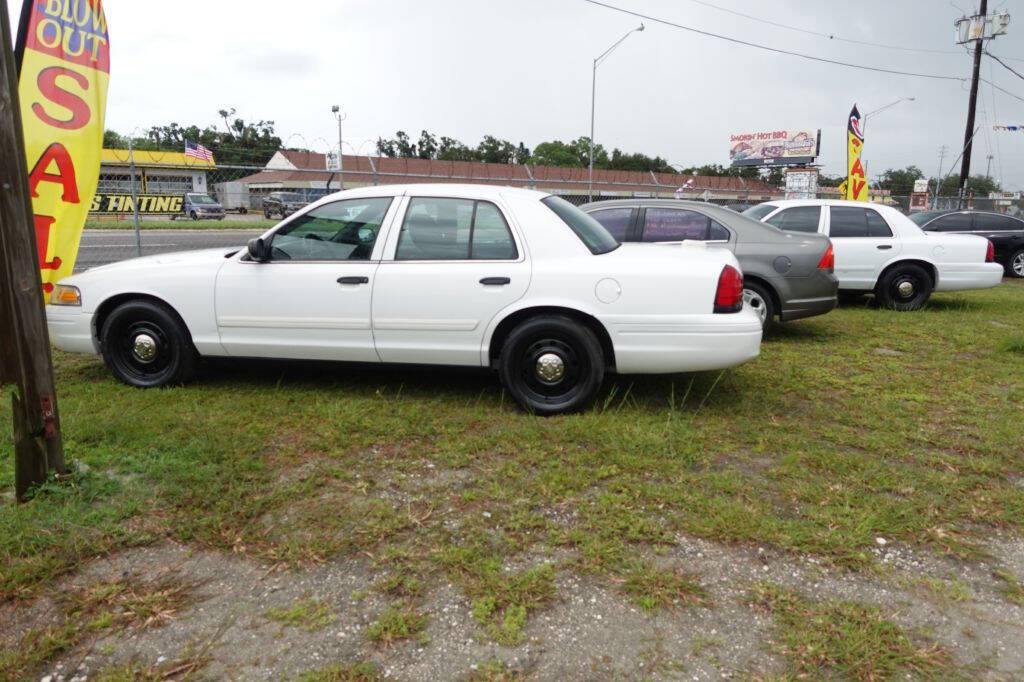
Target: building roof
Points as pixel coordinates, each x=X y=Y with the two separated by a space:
x=153 y=158
x=306 y=166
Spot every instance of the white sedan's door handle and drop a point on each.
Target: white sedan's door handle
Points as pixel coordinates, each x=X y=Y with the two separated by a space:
x=495 y=281
x=353 y=280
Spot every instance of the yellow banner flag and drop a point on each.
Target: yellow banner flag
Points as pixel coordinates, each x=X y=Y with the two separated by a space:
x=63 y=52
x=856 y=180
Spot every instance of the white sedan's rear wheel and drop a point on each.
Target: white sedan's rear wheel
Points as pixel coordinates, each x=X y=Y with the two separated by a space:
x=904 y=287
x=552 y=364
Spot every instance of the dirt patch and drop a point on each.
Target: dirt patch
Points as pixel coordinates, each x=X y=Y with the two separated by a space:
x=590 y=630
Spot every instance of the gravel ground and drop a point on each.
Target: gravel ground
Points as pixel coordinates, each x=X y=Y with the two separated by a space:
x=589 y=632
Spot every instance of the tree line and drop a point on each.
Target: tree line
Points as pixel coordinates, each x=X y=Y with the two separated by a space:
x=236 y=141
x=900 y=182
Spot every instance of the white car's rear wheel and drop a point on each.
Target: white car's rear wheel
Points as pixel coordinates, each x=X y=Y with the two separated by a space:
x=552 y=365
x=904 y=287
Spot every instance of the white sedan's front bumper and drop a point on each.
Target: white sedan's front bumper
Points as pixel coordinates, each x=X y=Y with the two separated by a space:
x=691 y=343
x=71 y=329
x=957 y=276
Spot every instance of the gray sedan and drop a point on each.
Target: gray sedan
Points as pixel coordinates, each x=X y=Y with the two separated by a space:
x=786 y=275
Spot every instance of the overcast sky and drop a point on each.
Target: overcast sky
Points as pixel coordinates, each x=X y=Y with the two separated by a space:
x=520 y=69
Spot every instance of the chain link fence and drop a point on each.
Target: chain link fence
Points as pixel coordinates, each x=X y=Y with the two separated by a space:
x=161 y=204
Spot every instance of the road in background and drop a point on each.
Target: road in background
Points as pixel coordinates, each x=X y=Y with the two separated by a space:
x=100 y=247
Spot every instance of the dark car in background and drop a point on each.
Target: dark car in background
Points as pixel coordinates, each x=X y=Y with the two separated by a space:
x=282 y=204
x=1005 y=232
x=786 y=276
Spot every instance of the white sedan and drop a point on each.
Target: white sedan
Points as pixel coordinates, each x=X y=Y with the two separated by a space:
x=513 y=279
x=880 y=250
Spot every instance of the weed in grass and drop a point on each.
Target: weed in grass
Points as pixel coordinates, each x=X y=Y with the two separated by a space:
x=845 y=639
x=308 y=614
x=363 y=671
x=1010 y=587
x=502 y=600
x=36 y=648
x=954 y=590
x=1014 y=344
x=655 y=588
x=399 y=621
x=493 y=670
x=401 y=584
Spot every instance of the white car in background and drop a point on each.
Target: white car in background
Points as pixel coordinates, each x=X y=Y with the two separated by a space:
x=880 y=250
x=517 y=280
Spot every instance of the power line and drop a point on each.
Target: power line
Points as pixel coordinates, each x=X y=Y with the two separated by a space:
x=1005 y=65
x=829 y=36
x=774 y=49
x=1002 y=90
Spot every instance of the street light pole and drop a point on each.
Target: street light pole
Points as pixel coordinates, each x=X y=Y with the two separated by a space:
x=341 y=159
x=593 y=98
x=864 y=123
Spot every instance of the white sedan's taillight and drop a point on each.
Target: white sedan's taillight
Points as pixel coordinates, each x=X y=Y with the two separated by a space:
x=729 y=295
x=990 y=253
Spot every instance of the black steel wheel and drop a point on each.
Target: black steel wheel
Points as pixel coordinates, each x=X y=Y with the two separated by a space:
x=146 y=345
x=552 y=364
x=904 y=287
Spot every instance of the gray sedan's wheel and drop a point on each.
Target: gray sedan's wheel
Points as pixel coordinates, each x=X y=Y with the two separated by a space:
x=1016 y=268
x=760 y=301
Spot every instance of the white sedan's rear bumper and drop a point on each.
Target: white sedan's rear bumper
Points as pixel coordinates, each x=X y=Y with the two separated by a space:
x=70 y=329
x=957 y=276
x=673 y=343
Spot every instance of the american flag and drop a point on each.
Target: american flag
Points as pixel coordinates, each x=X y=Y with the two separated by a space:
x=198 y=151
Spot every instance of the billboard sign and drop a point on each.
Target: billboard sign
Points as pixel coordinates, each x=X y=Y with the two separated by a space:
x=783 y=147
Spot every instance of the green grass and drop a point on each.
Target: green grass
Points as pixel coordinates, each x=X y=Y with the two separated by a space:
x=398 y=622
x=846 y=640
x=1010 y=587
x=820 y=446
x=344 y=672
x=229 y=223
x=308 y=614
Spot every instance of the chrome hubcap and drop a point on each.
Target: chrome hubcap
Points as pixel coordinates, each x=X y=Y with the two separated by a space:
x=905 y=288
x=754 y=301
x=144 y=347
x=550 y=368
x=1018 y=264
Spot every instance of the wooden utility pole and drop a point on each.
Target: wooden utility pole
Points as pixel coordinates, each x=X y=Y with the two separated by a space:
x=24 y=341
x=965 y=165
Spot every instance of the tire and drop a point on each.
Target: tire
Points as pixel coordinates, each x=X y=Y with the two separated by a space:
x=243 y=210
x=904 y=287
x=266 y=214
x=1015 y=264
x=193 y=215
x=757 y=297
x=123 y=339
x=564 y=344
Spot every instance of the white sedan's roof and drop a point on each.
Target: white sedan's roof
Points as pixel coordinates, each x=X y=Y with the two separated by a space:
x=439 y=189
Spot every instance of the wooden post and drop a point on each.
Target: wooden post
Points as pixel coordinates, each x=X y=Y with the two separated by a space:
x=24 y=341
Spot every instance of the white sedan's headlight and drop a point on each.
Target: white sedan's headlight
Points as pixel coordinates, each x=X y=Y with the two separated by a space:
x=64 y=294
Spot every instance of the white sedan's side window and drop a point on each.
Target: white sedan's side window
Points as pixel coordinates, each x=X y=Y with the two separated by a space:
x=341 y=230
x=438 y=228
x=797 y=219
